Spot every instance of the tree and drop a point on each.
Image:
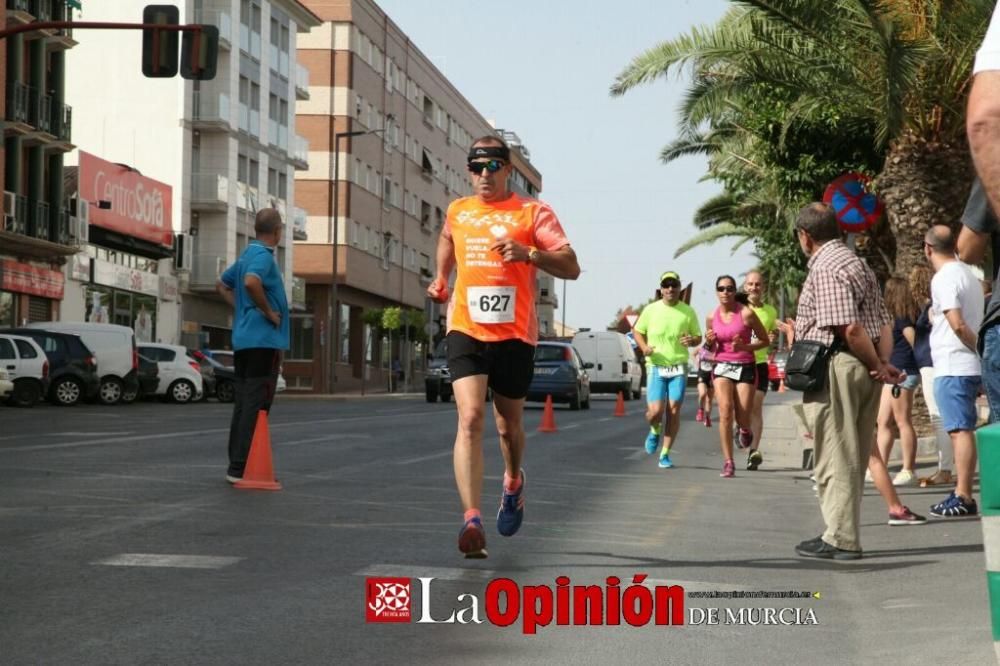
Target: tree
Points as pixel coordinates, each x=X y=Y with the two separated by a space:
x=787 y=93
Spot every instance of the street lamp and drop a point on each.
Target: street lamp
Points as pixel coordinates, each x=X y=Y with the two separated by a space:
x=333 y=310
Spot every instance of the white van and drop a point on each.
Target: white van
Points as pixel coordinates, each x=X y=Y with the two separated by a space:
x=615 y=366
x=114 y=350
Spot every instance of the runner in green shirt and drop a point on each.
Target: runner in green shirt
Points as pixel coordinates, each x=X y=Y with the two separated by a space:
x=754 y=286
x=665 y=330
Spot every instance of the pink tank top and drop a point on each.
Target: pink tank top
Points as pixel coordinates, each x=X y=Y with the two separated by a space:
x=726 y=333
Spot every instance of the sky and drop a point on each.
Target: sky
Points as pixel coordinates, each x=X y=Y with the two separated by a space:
x=543 y=70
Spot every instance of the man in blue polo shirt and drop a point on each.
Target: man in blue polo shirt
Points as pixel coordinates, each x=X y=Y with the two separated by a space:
x=254 y=288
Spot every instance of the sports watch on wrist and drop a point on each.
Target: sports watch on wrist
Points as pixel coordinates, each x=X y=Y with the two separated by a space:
x=532 y=254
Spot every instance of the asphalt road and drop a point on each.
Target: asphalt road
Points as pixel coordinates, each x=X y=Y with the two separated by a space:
x=121 y=543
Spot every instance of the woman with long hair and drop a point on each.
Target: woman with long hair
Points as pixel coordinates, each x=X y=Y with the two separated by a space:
x=904 y=311
x=730 y=330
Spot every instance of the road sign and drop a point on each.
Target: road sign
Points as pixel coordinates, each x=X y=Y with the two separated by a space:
x=856 y=208
x=631 y=319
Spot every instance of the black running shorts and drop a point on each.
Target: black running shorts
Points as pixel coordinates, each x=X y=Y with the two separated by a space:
x=508 y=364
x=741 y=373
x=762 y=379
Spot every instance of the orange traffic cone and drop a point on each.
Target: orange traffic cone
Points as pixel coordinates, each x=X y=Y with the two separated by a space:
x=781 y=386
x=620 y=405
x=548 y=417
x=259 y=472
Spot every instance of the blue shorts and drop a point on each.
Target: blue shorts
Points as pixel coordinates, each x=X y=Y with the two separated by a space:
x=956 y=400
x=658 y=387
x=911 y=383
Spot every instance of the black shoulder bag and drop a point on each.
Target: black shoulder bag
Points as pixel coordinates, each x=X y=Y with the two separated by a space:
x=807 y=365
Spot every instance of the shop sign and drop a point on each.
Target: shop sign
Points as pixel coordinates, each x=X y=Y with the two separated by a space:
x=168 y=288
x=140 y=206
x=32 y=280
x=79 y=267
x=123 y=277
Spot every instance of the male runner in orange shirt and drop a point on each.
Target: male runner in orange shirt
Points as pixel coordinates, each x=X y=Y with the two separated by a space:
x=496 y=240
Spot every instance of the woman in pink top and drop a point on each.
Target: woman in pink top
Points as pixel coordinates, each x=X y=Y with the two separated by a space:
x=735 y=333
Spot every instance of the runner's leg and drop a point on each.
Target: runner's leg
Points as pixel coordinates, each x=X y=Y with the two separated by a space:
x=468 y=456
x=509 y=415
x=725 y=393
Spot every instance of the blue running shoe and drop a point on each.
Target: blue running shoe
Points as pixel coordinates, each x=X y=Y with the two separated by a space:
x=665 y=461
x=652 y=443
x=511 y=511
x=955 y=507
x=472 y=539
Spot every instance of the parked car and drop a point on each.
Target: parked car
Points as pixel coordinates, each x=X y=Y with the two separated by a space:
x=72 y=367
x=220 y=381
x=180 y=376
x=26 y=366
x=6 y=386
x=614 y=362
x=437 y=381
x=226 y=358
x=114 y=348
x=776 y=368
x=561 y=373
x=148 y=374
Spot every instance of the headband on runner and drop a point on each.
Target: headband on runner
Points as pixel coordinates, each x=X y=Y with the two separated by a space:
x=494 y=152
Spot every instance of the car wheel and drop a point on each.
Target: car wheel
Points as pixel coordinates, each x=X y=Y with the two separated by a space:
x=130 y=395
x=181 y=391
x=66 y=392
x=432 y=395
x=26 y=393
x=225 y=391
x=111 y=391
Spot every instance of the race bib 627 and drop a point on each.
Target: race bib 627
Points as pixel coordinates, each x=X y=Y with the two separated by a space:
x=492 y=305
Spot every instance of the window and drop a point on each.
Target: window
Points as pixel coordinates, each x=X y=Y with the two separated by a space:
x=6 y=349
x=345 y=333
x=301 y=337
x=387 y=190
x=272 y=182
x=254 y=175
x=428 y=109
x=356 y=176
x=25 y=349
x=283 y=185
x=241 y=168
x=355 y=233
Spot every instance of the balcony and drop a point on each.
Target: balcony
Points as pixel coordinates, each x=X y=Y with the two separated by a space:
x=210 y=111
x=41 y=112
x=41 y=9
x=64 y=221
x=16 y=221
x=301 y=82
x=209 y=192
x=62 y=121
x=19 y=106
x=38 y=220
x=299 y=156
x=247 y=197
x=220 y=20
x=205 y=271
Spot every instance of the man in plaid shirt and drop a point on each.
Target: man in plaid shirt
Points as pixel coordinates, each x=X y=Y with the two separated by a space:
x=841 y=302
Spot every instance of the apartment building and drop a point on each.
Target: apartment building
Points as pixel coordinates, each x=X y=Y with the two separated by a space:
x=38 y=230
x=221 y=150
x=388 y=137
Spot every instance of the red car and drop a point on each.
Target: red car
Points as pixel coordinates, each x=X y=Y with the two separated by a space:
x=776 y=368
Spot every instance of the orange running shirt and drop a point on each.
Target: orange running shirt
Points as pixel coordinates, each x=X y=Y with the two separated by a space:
x=494 y=301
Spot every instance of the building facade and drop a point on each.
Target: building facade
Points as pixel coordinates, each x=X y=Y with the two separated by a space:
x=388 y=137
x=225 y=147
x=38 y=230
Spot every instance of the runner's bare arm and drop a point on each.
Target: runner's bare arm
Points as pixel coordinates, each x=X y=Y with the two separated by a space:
x=753 y=321
x=640 y=340
x=983 y=126
x=445 y=258
x=559 y=263
x=972 y=245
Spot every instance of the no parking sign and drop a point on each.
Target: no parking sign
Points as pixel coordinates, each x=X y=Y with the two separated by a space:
x=856 y=208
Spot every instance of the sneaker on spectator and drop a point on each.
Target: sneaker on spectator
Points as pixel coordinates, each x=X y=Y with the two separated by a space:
x=905 y=477
x=955 y=507
x=906 y=517
x=700 y=415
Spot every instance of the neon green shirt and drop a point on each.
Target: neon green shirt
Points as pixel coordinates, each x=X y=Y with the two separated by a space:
x=663 y=325
x=769 y=318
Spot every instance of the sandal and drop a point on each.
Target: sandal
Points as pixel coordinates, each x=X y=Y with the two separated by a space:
x=939 y=478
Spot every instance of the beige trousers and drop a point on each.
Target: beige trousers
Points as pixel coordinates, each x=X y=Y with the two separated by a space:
x=842 y=419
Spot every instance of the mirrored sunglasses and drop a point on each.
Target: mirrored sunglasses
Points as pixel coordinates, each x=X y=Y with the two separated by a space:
x=491 y=165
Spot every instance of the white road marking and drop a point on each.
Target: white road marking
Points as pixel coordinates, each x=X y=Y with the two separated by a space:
x=638 y=455
x=324 y=438
x=432 y=456
x=413 y=571
x=171 y=561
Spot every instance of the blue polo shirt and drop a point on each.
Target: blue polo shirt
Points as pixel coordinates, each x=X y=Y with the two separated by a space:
x=251 y=329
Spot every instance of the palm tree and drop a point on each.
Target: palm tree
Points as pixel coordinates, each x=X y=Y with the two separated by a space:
x=893 y=72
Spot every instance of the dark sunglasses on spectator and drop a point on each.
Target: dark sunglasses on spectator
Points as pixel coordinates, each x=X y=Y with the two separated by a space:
x=492 y=166
x=667 y=284
x=725 y=288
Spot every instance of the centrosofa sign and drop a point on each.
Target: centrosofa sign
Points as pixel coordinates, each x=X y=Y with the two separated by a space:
x=140 y=206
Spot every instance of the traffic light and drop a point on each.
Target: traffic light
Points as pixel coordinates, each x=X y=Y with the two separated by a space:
x=199 y=53
x=159 y=47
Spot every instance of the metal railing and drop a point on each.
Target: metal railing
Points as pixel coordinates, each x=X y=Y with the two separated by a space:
x=18 y=102
x=41 y=9
x=209 y=188
x=18 y=6
x=300 y=149
x=62 y=120
x=42 y=113
x=62 y=232
x=38 y=220
x=210 y=107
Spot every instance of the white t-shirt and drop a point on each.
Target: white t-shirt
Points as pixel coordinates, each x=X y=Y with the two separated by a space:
x=954 y=287
x=988 y=55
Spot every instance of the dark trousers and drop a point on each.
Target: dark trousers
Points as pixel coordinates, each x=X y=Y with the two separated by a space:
x=256 y=376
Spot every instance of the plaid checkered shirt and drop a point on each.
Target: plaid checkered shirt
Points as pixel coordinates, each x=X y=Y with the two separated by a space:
x=839 y=290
